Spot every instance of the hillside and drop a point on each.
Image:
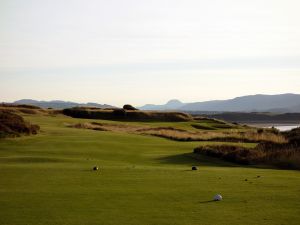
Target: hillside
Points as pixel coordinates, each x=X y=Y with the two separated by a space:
x=253 y=103
x=58 y=104
x=170 y=105
x=257 y=117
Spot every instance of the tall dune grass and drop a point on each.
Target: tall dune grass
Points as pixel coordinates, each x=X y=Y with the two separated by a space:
x=284 y=157
x=13 y=125
x=246 y=136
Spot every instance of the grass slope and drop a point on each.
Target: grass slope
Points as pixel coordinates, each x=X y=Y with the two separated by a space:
x=47 y=179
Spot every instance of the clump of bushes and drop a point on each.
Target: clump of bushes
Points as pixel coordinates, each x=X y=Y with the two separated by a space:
x=13 y=125
x=232 y=153
x=260 y=130
x=129 y=107
x=283 y=155
x=293 y=136
x=126 y=115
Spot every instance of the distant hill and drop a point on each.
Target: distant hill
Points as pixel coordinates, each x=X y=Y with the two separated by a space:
x=170 y=105
x=292 y=109
x=243 y=117
x=284 y=103
x=57 y=104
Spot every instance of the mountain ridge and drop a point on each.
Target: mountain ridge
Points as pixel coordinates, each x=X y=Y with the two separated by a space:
x=59 y=104
x=280 y=103
x=250 y=103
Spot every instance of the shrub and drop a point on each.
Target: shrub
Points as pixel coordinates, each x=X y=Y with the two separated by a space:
x=293 y=136
x=274 y=130
x=260 y=130
x=129 y=107
x=232 y=153
x=119 y=113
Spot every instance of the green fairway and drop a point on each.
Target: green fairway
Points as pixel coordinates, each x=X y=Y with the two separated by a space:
x=48 y=179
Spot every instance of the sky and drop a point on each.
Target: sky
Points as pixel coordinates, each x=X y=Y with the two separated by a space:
x=139 y=51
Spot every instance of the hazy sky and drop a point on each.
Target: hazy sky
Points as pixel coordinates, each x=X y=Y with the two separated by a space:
x=138 y=51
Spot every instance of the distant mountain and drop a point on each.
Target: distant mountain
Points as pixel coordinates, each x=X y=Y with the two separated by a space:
x=292 y=109
x=57 y=104
x=252 y=103
x=283 y=103
x=257 y=117
x=170 y=105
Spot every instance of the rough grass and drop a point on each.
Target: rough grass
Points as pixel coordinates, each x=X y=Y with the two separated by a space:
x=188 y=134
x=24 y=109
x=232 y=153
x=13 y=125
x=8 y=105
x=293 y=136
x=245 y=136
x=285 y=155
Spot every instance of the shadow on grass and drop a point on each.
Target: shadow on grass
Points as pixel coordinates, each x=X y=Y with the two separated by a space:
x=191 y=159
x=204 y=202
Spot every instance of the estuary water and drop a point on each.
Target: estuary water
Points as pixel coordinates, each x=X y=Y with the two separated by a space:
x=286 y=127
x=281 y=127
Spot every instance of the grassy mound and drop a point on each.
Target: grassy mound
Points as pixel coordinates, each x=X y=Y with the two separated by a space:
x=232 y=153
x=13 y=125
x=126 y=115
x=24 y=109
x=7 y=105
x=283 y=155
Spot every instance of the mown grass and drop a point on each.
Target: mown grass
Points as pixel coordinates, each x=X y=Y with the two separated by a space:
x=48 y=179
